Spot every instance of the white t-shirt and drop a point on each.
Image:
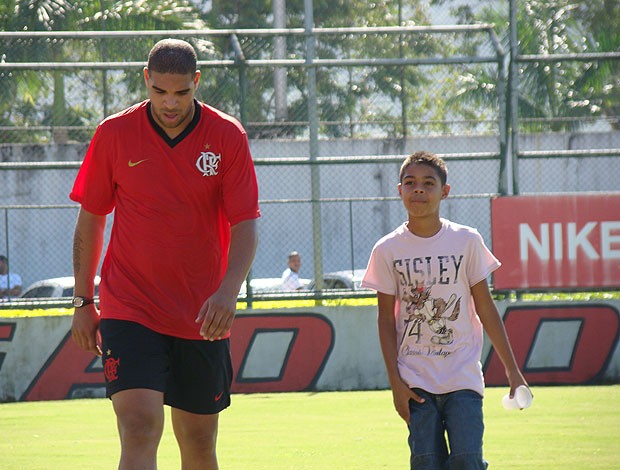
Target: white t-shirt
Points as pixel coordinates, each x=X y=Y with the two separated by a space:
x=438 y=330
x=11 y=279
x=290 y=280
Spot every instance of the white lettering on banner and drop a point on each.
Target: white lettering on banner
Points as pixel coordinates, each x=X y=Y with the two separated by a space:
x=607 y=239
x=557 y=241
x=527 y=238
x=575 y=240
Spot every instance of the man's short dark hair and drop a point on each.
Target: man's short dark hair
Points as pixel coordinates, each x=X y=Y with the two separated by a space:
x=4 y=259
x=425 y=158
x=172 y=56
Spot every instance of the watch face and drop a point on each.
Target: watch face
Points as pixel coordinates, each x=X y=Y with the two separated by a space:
x=78 y=301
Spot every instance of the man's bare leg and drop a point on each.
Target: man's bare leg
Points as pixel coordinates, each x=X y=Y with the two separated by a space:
x=140 y=421
x=197 y=438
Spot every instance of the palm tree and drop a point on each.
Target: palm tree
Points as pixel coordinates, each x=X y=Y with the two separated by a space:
x=28 y=86
x=31 y=87
x=550 y=90
x=346 y=96
x=602 y=20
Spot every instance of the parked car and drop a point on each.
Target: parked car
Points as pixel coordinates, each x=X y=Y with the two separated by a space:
x=342 y=280
x=54 y=287
x=64 y=286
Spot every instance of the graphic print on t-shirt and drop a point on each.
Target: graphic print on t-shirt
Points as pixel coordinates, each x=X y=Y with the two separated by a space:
x=427 y=314
x=422 y=309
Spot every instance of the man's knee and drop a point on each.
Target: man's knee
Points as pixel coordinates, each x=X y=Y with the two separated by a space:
x=139 y=421
x=196 y=434
x=140 y=426
x=204 y=442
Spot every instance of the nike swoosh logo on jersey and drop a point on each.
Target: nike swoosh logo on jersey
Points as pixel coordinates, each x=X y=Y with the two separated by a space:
x=219 y=396
x=132 y=164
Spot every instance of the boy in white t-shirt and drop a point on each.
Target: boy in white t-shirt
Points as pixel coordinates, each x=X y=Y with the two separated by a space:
x=433 y=302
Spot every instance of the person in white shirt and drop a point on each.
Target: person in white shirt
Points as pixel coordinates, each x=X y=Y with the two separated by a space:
x=434 y=302
x=10 y=283
x=290 y=276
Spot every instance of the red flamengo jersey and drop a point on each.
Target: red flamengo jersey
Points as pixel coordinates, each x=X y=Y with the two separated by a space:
x=174 y=202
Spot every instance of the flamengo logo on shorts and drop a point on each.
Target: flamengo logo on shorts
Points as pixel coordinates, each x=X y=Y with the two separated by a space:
x=110 y=369
x=208 y=163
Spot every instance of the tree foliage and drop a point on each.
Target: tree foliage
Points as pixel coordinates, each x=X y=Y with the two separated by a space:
x=557 y=94
x=345 y=95
x=391 y=98
x=41 y=98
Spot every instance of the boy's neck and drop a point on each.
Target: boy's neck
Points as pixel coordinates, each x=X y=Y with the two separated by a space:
x=424 y=228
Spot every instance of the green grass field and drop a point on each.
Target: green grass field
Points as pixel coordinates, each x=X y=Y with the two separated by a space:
x=566 y=428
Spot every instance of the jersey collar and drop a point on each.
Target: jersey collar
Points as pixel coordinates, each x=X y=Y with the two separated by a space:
x=182 y=135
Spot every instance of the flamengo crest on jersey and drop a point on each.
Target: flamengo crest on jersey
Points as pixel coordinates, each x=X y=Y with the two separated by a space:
x=208 y=163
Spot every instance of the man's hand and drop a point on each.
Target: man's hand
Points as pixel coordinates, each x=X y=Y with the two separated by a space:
x=217 y=315
x=401 y=393
x=218 y=311
x=85 y=329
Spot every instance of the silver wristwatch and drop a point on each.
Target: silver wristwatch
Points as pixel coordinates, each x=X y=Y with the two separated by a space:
x=81 y=301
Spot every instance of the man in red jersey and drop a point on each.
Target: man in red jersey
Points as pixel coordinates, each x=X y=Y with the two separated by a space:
x=180 y=179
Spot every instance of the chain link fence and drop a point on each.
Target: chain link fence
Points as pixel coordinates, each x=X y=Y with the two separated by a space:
x=330 y=114
x=576 y=147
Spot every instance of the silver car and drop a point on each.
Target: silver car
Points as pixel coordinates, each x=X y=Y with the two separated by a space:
x=342 y=280
x=54 y=288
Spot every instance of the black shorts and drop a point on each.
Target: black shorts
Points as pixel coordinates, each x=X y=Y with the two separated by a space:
x=194 y=375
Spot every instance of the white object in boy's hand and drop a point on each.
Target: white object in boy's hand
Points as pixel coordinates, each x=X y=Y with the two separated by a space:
x=521 y=399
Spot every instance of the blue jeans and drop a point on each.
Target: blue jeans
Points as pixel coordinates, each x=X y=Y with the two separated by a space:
x=459 y=414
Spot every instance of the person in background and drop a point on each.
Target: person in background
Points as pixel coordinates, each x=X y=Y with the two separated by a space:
x=290 y=276
x=10 y=283
x=430 y=275
x=179 y=176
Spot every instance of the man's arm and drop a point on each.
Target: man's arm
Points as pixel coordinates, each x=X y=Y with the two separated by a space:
x=87 y=247
x=218 y=311
x=494 y=327
x=401 y=393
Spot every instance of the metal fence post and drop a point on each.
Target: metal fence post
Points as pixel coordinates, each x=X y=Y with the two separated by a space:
x=313 y=128
x=514 y=97
x=243 y=90
x=503 y=121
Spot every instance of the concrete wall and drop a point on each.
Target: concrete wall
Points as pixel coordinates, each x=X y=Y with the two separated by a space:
x=323 y=348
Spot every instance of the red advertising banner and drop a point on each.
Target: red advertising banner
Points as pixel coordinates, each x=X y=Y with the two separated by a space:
x=556 y=241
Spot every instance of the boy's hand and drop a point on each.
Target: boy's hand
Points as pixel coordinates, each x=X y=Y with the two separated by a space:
x=515 y=379
x=401 y=394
